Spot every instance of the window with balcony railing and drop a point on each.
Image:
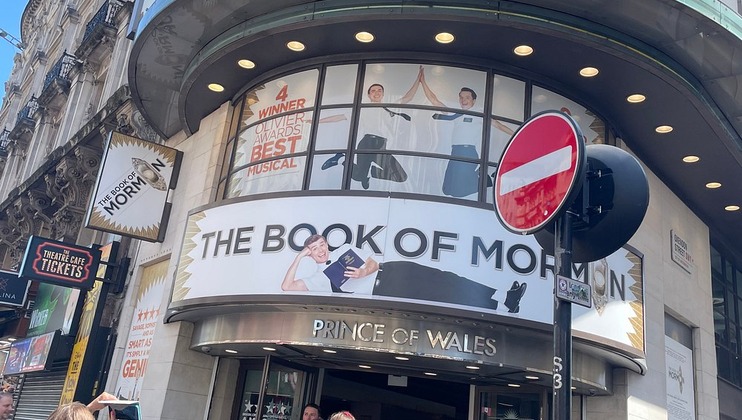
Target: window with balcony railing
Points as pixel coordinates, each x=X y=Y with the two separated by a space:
x=61 y=70
x=104 y=17
x=4 y=142
x=27 y=112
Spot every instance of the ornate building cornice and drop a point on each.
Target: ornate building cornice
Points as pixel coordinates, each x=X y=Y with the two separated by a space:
x=27 y=19
x=52 y=202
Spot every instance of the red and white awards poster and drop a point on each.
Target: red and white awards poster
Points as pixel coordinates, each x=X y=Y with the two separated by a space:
x=144 y=322
x=277 y=121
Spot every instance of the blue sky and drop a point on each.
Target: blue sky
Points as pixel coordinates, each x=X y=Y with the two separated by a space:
x=10 y=21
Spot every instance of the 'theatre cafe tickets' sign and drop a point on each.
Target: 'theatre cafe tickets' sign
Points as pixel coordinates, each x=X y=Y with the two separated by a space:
x=60 y=263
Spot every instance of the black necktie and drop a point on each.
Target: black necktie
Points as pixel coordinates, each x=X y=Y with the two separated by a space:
x=446 y=117
x=401 y=114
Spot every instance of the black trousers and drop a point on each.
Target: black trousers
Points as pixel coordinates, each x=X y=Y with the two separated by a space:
x=388 y=167
x=405 y=279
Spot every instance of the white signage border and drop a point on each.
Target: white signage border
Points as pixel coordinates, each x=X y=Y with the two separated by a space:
x=454 y=257
x=130 y=196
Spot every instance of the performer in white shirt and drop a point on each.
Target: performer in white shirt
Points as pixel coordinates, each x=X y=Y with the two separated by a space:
x=377 y=126
x=462 y=177
x=316 y=248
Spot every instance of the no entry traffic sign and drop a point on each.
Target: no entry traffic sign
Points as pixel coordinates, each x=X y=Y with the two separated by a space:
x=540 y=172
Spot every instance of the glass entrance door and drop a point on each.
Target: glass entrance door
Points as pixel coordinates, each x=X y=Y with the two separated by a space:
x=285 y=389
x=498 y=403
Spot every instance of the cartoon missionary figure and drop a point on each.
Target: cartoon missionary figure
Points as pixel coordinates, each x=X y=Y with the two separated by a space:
x=349 y=263
x=462 y=178
x=377 y=126
x=406 y=279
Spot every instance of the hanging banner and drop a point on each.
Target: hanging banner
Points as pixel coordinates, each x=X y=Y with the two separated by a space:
x=59 y=263
x=13 y=289
x=143 y=323
x=131 y=193
x=396 y=250
x=81 y=344
x=87 y=328
x=30 y=354
x=54 y=309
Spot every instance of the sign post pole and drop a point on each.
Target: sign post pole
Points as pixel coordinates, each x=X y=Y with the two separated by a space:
x=562 y=386
x=540 y=174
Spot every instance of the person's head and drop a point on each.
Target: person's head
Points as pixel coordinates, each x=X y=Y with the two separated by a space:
x=6 y=404
x=342 y=415
x=71 y=411
x=467 y=98
x=310 y=412
x=375 y=92
x=318 y=248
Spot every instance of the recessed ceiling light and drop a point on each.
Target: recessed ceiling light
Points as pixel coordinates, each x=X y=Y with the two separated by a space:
x=295 y=46
x=430 y=374
x=589 y=72
x=573 y=388
x=364 y=366
x=691 y=159
x=269 y=349
x=514 y=385
x=401 y=358
x=532 y=377
x=732 y=207
x=230 y=351
x=635 y=98
x=539 y=98
x=472 y=367
x=11 y=339
x=437 y=70
x=523 y=50
x=663 y=129
x=246 y=64
x=364 y=37
x=329 y=351
x=444 y=38
x=713 y=185
x=216 y=87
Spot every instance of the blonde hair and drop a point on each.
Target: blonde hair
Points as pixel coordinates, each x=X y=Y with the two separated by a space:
x=342 y=415
x=71 y=411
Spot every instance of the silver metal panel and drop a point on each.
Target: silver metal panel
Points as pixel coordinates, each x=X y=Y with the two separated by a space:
x=500 y=354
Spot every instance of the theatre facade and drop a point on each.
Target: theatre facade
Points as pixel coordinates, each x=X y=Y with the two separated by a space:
x=332 y=238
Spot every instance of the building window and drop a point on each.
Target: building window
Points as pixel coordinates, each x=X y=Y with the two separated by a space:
x=384 y=126
x=680 y=369
x=726 y=289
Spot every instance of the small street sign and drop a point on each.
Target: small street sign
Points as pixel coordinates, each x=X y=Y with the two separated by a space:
x=574 y=291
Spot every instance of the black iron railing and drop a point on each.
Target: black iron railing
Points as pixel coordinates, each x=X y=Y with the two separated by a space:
x=61 y=70
x=27 y=112
x=103 y=17
x=4 y=142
